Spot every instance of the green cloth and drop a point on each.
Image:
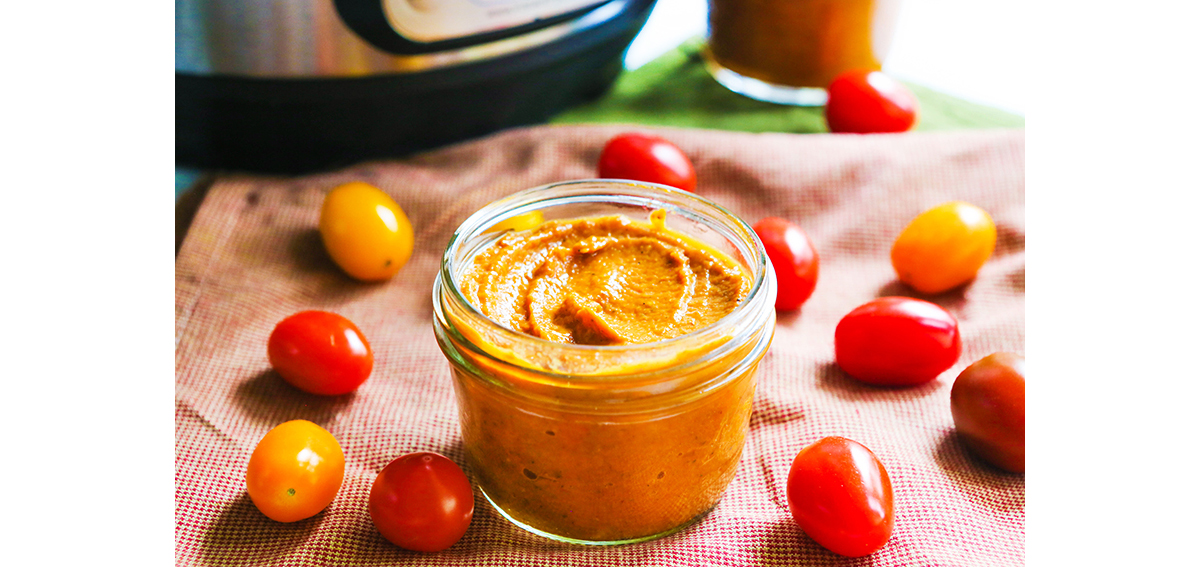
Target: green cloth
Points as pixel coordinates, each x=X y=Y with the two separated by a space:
x=676 y=90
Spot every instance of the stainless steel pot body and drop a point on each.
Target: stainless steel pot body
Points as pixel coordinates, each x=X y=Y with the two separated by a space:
x=357 y=38
x=294 y=86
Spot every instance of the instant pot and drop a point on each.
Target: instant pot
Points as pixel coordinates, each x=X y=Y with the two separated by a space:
x=299 y=85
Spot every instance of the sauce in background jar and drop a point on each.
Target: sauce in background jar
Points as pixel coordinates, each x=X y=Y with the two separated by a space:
x=780 y=50
x=615 y=443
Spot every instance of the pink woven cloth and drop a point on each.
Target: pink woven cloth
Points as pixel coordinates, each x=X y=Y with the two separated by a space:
x=253 y=256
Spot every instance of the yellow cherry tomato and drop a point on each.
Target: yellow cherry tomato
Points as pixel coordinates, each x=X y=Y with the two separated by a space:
x=944 y=247
x=523 y=221
x=295 y=471
x=365 y=231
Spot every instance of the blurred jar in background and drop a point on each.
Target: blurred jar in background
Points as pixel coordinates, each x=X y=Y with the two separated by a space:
x=788 y=51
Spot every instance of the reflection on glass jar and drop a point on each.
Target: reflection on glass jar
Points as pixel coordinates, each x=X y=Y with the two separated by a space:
x=605 y=444
x=788 y=51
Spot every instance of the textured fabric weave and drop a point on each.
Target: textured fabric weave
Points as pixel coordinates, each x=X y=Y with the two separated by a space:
x=253 y=256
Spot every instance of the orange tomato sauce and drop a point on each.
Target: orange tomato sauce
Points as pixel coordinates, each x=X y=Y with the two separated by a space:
x=593 y=459
x=800 y=43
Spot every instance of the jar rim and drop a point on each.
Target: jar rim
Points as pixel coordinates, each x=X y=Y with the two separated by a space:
x=649 y=195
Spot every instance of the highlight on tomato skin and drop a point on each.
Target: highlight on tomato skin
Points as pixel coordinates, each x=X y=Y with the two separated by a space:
x=841 y=496
x=422 y=502
x=897 y=341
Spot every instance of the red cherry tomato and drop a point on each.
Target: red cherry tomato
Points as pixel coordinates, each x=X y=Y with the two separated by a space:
x=864 y=102
x=321 y=353
x=988 y=404
x=841 y=496
x=897 y=341
x=795 y=261
x=422 y=502
x=647 y=158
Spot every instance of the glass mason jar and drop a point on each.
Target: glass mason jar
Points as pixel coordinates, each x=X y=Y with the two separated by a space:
x=604 y=444
x=788 y=51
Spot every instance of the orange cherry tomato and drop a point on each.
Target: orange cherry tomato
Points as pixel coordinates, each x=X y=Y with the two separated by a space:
x=295 y=471
x=365 y=232
x=944 y=247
